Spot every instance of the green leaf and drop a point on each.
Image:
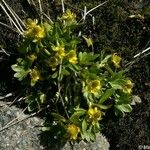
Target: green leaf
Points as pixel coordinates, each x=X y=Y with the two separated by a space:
x=32 y=106
x=42 y=98
x=123 y=99
x=75 y=117
x=33 y=82
x=117 y=84
x=59 y=117
x=118 y=112
x=96 y=127
x=87 y=58
x=104 y=61
x=21 y=74
x=22 y=68
x=45 y=129
x=54 y=75
x=94 y=69
x=16 y=68
x=118 y=75
x=48 y=27
x=24 y=48
x=84 y=125
x=108 y=93
x=102 y=106
x=86 y=135
x=88 y=41
x=47 y=52
x=124 y=107
x=65 y=72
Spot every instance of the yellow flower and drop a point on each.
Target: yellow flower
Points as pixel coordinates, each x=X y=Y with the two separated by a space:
x=61 y=54
x=53 y=62
x=72 y=57
x=94 y=114
x=32 y=57
x=34 y=31
x=31 y=23
x=116 y=60
x=93 y=86
x=68 y=16
x=60 y=51
x=73 y=131
x=128 y=87
x=35 y=76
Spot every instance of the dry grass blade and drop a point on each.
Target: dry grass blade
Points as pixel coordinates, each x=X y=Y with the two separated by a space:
x=6 y=96
x=4 y=51
x=12 y=18
x=137 y=57
x=144 y=51
x=88 y=12
x=17 y=118
x=15 y=16
x=41 y=11
x=12 y=123
x=63 y=7
x=3 y=24
x=47 y=17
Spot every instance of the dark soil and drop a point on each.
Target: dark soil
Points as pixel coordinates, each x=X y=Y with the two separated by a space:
x=123 y=133
x=134 y=129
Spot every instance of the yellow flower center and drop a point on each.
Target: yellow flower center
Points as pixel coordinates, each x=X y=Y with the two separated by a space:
x=128 y=87
x=116 y=60
x=94 y=114
x=73 y=131
x=38 y=31
x=35 y=76
x=69 y=16
x=60 y=51
x=31 y=23
x=53 y=62
x=72 y=57
x=32 y=57
x=93 y=86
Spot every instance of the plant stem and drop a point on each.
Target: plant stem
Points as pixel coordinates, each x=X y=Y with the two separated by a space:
x=59 y=88
x=109 y=69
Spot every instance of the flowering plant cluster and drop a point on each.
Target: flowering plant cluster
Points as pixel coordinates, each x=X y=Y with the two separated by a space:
x=77 y=84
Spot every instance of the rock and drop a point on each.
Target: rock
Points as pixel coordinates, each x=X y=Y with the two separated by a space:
x=100 y=144
x=23 y=135
x=26 y=135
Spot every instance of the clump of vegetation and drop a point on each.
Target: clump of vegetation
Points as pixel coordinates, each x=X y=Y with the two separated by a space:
x=79 y=85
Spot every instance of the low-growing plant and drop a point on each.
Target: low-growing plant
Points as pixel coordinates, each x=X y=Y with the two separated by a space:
x=76 y=83
x=80 y=85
